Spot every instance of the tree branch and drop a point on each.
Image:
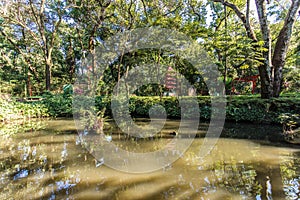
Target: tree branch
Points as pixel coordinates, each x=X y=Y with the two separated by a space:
x=145 y=10
x=285 y=33
x=221 y=21
x=242 y=17
x=32 y=70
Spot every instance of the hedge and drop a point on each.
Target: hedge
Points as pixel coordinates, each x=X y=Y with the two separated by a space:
x=238 y=108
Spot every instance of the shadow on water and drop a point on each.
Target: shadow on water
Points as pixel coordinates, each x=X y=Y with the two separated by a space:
x=48 y=162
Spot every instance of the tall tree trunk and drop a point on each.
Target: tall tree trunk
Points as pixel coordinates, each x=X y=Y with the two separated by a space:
x=281 y=47
x=242 y=17
x=265 y=82
x=28 y=83
x=48 y=76
x=225 y=56
x=265 y=68
x=70 y=60
x=271 y=70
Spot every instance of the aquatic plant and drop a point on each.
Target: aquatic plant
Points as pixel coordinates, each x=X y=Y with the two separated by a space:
x=289 y=123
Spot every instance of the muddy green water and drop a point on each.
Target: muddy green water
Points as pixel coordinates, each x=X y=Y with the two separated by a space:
x=44 y=160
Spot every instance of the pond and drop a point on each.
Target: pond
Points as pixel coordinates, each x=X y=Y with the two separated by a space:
x=45 y=160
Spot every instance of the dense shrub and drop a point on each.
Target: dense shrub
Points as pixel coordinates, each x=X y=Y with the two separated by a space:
x=12 y=110
x=58 y=105
x=238 y=109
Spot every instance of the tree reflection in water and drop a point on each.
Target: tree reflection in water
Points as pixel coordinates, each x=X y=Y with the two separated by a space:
x=48 y=162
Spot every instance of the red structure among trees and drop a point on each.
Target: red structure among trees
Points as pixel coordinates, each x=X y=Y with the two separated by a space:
x=252 y=79
x=170 y=80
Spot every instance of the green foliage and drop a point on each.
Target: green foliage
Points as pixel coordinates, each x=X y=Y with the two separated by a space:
x=58 y=105
x=102 y=103
x=239 y=108
x=254 y=109
x=247 y=110
x=68 y=90
x=139 y=106
x=289 y=121
x=26 y=50
x=292 y=79
x=12 y=110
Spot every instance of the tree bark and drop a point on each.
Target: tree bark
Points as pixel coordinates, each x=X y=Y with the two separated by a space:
x=24 y=54
x=70 y=60
x=281 y=47
x=29 y=88
x=48 y=76
x=271 y=70
x=266 y=68
x=247 y=25
x=265 y=82
x=39 y=16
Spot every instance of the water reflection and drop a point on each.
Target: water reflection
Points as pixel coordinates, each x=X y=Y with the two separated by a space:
x=290 y=176
x=48 y=162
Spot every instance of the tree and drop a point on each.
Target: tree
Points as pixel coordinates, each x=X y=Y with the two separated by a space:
x=271 y=70
x=37 y=22
x=281 y=47
x=228 y=43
